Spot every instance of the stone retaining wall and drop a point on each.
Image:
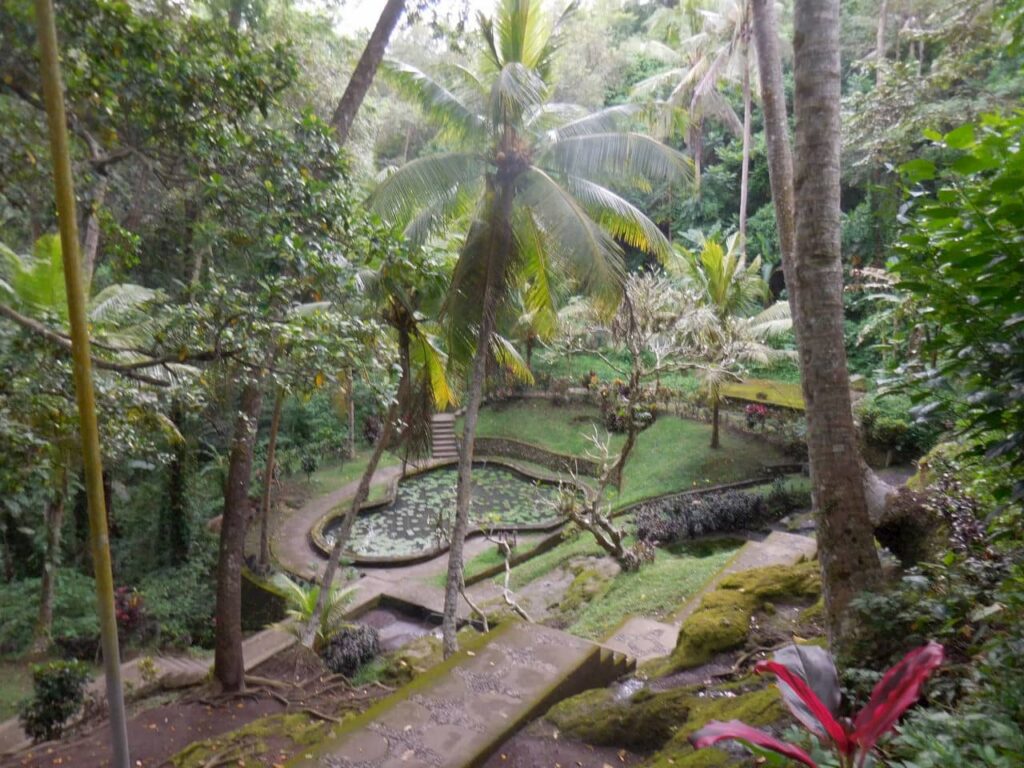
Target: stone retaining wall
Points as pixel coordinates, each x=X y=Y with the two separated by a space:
x=514 y=449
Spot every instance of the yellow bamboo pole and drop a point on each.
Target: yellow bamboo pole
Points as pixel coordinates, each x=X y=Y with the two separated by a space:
x=53 y=95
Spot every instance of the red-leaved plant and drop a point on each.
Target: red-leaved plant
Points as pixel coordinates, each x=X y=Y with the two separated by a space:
x=809 y=685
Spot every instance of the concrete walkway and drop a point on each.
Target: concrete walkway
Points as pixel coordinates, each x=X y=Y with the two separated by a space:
x=457 y=714
x=647 y=639
x=166 y=672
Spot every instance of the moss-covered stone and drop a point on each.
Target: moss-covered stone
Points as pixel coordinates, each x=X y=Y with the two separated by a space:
x=589 y=584
x=722 y=621
x=760 y=707
x=661 y=722
x=644 y=722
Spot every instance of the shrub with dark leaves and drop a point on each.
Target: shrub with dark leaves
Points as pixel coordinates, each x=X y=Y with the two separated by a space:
x=352 y=647
x=688 y=517
x=59 y=689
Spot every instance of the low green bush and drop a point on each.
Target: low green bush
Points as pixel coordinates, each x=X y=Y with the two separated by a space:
x=75 y=627
x=59 y=690
x=890 y=426
x=180 y=599
x=681 y=518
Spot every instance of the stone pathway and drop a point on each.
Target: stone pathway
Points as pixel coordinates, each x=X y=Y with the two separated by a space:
x=455 y=715
x=646 y=639
x=166 y=672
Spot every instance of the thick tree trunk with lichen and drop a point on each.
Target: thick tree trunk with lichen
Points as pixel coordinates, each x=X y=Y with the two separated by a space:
x=228 y=664
x=54 y=521
x=847 y=552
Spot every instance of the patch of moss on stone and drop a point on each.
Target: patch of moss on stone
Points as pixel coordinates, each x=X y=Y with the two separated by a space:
x=813 y=613
x=588 y=585
x=644 y=722
x=760 y=707
x=722 y=621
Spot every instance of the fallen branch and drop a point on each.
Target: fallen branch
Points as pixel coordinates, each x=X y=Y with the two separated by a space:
x=473 y=607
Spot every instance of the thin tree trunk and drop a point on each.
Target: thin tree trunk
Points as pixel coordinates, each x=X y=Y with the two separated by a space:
x=92 y=232
x=345 y=531
x=54 y=520
x=176 y=528
x=745 y=166
x=351 y=416
x=268 y=479
x=776 y=128
x=85 y=396
x=363 y=490
x=883 y=12
x=363 y=75
x=228 y=664
x=714 y=421
x=497 y=256
x=235 y=14
x=847 y=552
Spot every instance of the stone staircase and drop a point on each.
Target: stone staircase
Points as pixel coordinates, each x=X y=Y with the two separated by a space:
x=442 y=430
x=458 y=713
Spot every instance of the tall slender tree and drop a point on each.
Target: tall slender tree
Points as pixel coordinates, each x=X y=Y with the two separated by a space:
x=849 y=561
x=530 y=177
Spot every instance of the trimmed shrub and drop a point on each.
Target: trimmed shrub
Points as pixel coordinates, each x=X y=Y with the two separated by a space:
x=889 y=426
x=352 y=647
x=59 y=690
x=687 y=517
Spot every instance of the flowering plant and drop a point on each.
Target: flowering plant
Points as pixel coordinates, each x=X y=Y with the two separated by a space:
x=809 y=685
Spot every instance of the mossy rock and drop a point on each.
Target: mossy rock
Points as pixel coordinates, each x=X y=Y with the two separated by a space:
x=644 y=722
x=760 y=707
x=722 y=622
x=589 y=584
x=800 y=580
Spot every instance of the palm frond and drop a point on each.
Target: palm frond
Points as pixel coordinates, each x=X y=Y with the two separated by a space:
x=433 y=180
x=586 y=250
x=449 y=208
x=115 y=302
x=517 y=91
x=626 y=157
x=602 y=121
x=507 y=356
x=440 y=106
x=620 y=218
x=427 y=357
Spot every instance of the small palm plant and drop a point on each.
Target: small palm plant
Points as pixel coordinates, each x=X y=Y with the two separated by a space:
x=302 y=603
x=727 y=325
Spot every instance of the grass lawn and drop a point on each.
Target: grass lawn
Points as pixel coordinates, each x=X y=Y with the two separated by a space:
x=562 y=429
x=575 y=367
x=578 y=546
x=671 y=455
x=785 y=394
x=656 y=590
x=332 y=476
x=15 y=686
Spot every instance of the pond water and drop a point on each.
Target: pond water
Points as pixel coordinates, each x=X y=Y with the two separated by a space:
x=420 y=516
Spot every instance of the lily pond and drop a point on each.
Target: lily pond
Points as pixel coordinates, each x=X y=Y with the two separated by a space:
x=418 y=520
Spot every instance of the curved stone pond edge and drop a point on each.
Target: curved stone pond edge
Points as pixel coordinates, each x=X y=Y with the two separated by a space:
x=321 y=545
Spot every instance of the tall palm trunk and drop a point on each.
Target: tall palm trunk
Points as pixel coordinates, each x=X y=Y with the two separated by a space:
x=365 y=70
x=883 y=12
x=54 y=519
x=497 y=258
x=848 y=557
x=745 y=165
x=228 y=664
x=776 y=129
x=268 y=479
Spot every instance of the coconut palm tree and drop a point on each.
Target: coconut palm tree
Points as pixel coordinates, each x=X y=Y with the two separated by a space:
x=703 y=47
x=727 y=325
x=529 y=179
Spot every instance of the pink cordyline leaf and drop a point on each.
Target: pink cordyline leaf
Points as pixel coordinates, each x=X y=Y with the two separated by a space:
x=895 y=692
x=716 y=731
x=830 y=727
